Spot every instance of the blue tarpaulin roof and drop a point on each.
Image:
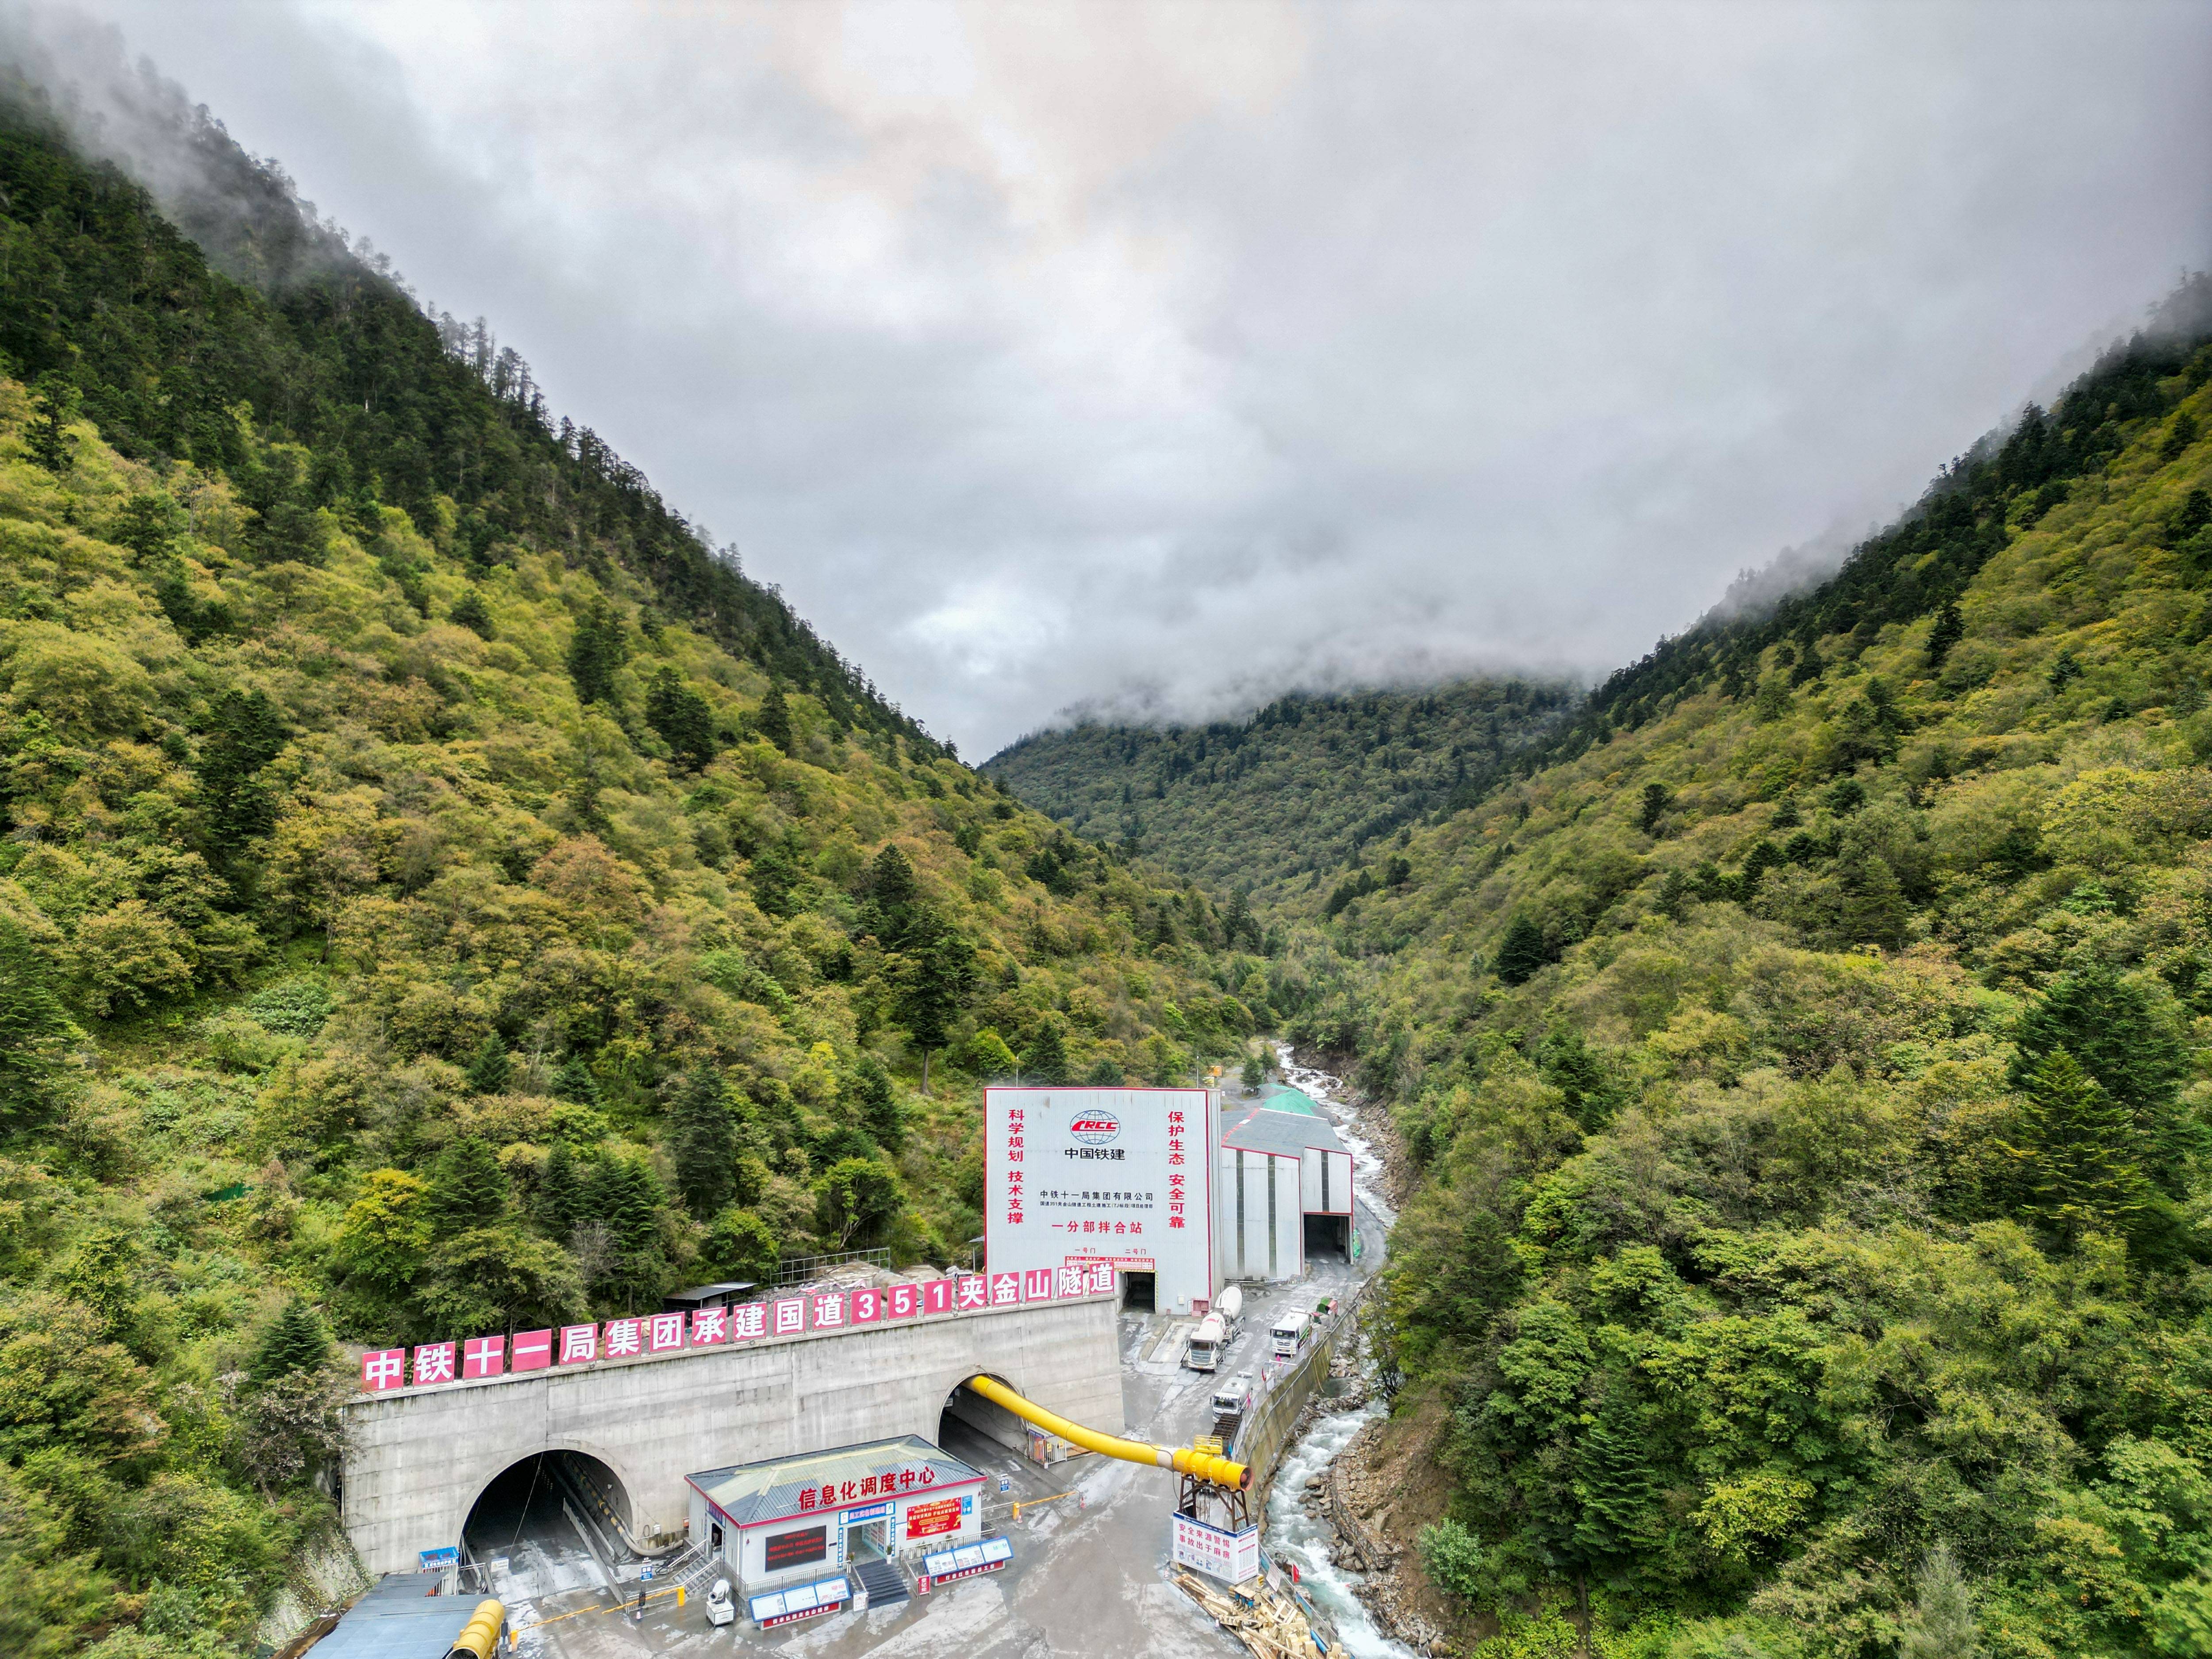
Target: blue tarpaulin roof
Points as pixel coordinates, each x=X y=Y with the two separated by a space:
x=400 y=1619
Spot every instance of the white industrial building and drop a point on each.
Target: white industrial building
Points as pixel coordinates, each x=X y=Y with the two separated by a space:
x=1284 y=1193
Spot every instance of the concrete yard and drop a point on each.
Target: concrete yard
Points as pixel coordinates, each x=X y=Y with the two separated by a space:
x=1085 y=1580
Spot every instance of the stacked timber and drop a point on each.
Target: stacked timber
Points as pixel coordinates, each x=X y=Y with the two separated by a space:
x=1269 y=1623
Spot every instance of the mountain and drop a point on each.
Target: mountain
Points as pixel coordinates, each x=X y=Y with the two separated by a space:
x=1299 y=787
x=1806 y=1064
x=438 y=894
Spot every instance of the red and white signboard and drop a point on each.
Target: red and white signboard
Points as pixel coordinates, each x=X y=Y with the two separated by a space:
x=1231 y=1557
x=1120 y=1175
x=383 y=1369
x=483 y=1357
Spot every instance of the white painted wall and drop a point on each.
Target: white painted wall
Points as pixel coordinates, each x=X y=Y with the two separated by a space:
x=1242 y=1230
x=1333 y=1197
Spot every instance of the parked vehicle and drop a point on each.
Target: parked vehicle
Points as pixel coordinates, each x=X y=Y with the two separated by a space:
x=1232 y=1402
x=1203 y=1352
x=1230 y=1307
x=1291 y=1330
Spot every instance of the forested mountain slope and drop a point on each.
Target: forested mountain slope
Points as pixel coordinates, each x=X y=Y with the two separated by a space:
x=437 y=894
x=1809 y=1067
x=1300 y=787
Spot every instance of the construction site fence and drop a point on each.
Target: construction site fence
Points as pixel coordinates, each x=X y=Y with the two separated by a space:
x=800 y=1269
x=1267 y=1434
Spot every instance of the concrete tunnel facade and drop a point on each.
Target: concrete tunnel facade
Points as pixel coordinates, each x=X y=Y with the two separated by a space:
x=418 y=1460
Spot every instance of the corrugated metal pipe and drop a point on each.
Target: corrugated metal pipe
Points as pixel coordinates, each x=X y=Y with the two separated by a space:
x=479 y=1637
x=1215 y=1471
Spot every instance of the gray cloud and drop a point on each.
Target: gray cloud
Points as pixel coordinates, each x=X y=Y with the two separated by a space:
x=1161 y=358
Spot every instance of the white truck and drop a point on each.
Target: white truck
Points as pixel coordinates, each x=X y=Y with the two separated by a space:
x=1232 y=1403
x=1203 y=1352
x=1292 y=1329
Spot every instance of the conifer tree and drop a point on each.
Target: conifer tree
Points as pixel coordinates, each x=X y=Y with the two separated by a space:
x=560 y=1193
x=703 y=1140
x=48 y=438
x=294 y=1342
x=1046 y=1060
x=468 y=1189
x=1614 y=1488
x=573 y=1082
x=2076 y=1149
x=1874 y=910
x=1940 y=1625
x=1520 y=952
x=773 y=721
x=2124 y=1035
x=1950 y=627
x=878 y=1101
x=489 y=1071
x=934 y=980
x=34 y=1028
x=682 y=718
x=469 y=612
x=596 y=649
x=894 y=903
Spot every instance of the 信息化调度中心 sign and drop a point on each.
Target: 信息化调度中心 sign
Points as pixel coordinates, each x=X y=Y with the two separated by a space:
x=385 y=1370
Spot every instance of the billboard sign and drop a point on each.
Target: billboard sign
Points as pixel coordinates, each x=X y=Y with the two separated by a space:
x=1231 y=1557
x=1075 y=1177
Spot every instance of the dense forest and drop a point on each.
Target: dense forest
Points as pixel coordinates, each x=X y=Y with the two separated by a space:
x=1806 y=1064
x=1263 y=806
x=438 y=894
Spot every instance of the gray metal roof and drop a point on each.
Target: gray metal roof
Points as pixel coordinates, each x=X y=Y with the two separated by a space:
x=400 y=1619
x=1262 y=1131
x=769 y=1490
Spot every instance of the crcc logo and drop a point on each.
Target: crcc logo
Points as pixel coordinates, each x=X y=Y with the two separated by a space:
x=1094 y=1128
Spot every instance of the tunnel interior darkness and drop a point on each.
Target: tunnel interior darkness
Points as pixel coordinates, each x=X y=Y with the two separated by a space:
x=970 y=1426
x=525 y=1503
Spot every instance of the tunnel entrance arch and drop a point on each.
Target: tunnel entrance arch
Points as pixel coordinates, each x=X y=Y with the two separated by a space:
x=560 y=1515
x=969 y=1425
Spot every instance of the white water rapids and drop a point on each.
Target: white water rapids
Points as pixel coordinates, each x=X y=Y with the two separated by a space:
x=1295 y=1538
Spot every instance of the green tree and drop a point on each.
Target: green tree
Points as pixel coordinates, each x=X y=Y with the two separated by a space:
x=597 y=648
x=1940 y=1624
x=34 y=1030
x=856 y=1197
x=244 y=733
x=1046 y=1060
x=470 y=611
x=560 y=1196
x=148 y=526
x=739 y=1245
x=624 y=1198
x=53 y=406
x=1948 y=629
x=933 y=982
x=2076 y=1149
x=773 y=719
x=2125 y=1034
x=894 y=903
x=1656 y=796
x=1253 y=1072
x=1520 y=952
x=1874 y=910
x=702 y=1140
x=500 y=1279
x=682 y=718
x=467 y=1190
x=879 y=1101
x=1617 y=1519
x=385 y=1235
x=489 y=1071
x=573 y=1081
x=294 y=1342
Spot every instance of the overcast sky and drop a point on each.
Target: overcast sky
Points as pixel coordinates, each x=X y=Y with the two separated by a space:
x=1167 y=357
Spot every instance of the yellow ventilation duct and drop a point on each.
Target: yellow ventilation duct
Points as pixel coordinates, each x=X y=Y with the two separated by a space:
x=1215 y=1471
